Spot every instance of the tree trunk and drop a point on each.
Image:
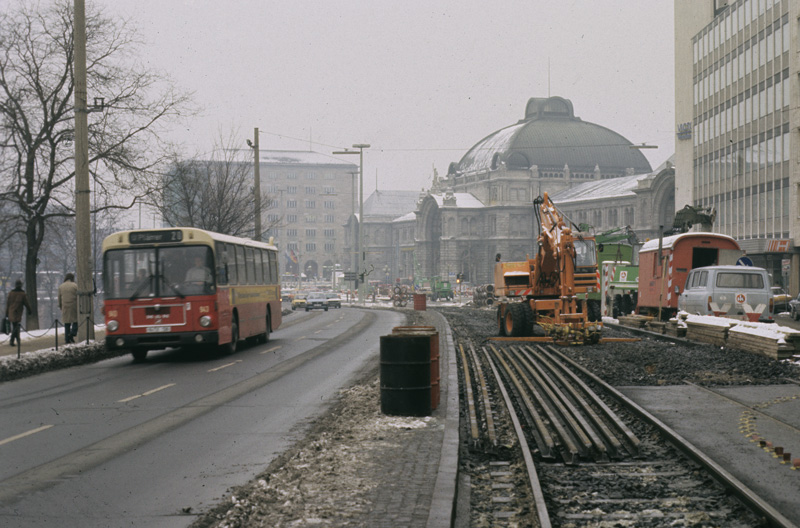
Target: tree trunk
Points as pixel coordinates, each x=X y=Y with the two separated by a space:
x=33 y=236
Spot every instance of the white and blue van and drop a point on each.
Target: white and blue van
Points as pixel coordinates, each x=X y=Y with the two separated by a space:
x=739 y=292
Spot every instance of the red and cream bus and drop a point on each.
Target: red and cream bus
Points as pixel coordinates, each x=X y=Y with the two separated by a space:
x=185 y=287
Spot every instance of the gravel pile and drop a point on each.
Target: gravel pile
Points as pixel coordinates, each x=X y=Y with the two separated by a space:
x=656 y=362
x=649 y=361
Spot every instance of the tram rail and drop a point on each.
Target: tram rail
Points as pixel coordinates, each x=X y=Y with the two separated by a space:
x=590 y=453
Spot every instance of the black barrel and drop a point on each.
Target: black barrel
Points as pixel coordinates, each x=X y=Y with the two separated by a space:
x=406 y=375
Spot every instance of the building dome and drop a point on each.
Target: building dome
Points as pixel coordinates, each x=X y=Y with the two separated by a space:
x=551 y=138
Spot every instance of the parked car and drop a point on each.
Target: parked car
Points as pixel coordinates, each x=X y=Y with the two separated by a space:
x=316 y=300
x=794 y=308
x=780 y=299
x=740 y=292
x=334 y=301
x=299 y=301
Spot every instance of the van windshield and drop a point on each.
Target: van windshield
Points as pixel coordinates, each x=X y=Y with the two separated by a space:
x=740 y=280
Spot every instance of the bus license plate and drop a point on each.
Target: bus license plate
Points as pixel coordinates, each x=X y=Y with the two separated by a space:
x=155 y=329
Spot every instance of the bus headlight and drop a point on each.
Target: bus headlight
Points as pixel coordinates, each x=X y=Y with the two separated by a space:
x=205 y=321
x=113 y=325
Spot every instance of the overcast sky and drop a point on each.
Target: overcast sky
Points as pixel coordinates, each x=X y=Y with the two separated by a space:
x=422 y=81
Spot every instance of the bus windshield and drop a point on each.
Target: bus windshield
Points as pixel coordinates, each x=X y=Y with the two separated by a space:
x=158 y=272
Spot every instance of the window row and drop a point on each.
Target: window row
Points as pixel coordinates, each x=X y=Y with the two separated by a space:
x=729 y=23
x=245 y=265
x=763 y=100
x=308 y=204
x=744 y=157
x=738 y=64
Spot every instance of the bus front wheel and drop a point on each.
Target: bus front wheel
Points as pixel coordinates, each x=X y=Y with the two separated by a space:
x=139 y=355
x=230 y=348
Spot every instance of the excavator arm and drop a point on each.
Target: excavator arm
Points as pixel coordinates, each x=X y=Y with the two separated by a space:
x=549 y=298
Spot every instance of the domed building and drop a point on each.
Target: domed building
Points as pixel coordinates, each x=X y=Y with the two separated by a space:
x=483 y=206
x=550 y=148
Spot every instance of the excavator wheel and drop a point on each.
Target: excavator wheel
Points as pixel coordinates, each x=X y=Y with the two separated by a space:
x=530 y=319
x=501 y=327
x=515 y=322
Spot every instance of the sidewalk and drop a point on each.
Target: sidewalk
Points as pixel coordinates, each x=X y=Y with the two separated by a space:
x=35 y=341
x=417 y=483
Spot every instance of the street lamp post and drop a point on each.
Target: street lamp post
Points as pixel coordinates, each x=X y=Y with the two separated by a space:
x=362 y=268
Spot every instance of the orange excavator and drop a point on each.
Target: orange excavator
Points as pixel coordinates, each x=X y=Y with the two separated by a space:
x=549 y=290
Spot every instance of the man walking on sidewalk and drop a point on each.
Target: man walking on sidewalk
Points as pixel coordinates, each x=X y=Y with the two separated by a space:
x=16 y=302
x=68 y=302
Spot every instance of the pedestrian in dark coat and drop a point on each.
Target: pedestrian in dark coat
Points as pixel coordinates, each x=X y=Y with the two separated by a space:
x=16 y=302
x=68 y=303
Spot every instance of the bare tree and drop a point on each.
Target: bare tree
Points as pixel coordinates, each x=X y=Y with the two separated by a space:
x=37 y=118
x=215 y=193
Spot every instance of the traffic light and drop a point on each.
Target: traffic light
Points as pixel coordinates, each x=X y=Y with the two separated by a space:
x=459 y=278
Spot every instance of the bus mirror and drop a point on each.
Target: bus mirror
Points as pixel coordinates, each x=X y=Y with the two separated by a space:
x=677 y=290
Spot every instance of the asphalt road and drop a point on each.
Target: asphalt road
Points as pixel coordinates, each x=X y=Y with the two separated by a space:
x=784 y=319
x=118 y=443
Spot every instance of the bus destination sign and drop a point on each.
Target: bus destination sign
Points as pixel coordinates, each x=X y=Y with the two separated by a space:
x=156 y=237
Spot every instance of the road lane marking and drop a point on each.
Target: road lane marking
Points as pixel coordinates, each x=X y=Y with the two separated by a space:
x=300 y=338
x=148 y=393
x=81 y=460
x=26 y=433
x=225 y=366
x=273 y=349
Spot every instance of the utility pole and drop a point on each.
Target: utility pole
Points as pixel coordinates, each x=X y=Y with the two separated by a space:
x=82 y=220
x=362 y=264
x=257 y=185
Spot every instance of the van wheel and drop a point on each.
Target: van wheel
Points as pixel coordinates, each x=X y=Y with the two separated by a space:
x=627 y=304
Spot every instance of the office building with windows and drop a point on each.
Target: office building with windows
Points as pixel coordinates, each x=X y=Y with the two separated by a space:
x=312 y=196
x=736 y=105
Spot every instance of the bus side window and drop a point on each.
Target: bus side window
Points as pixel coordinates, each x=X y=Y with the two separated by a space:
x=222 y=263
x=241 y=265
x=251 y=265
x=703 y=278
x=260 y=266
x=273 y=267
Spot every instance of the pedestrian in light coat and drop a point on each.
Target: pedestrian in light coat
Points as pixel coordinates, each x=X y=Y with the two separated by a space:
x=16 y=302
x=68 y=303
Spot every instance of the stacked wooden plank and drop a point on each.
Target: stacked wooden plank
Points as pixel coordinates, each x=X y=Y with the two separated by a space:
x=707 y=329
x=776 y=342
x=634 y=321
x=674 y=328
x=656 y=326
